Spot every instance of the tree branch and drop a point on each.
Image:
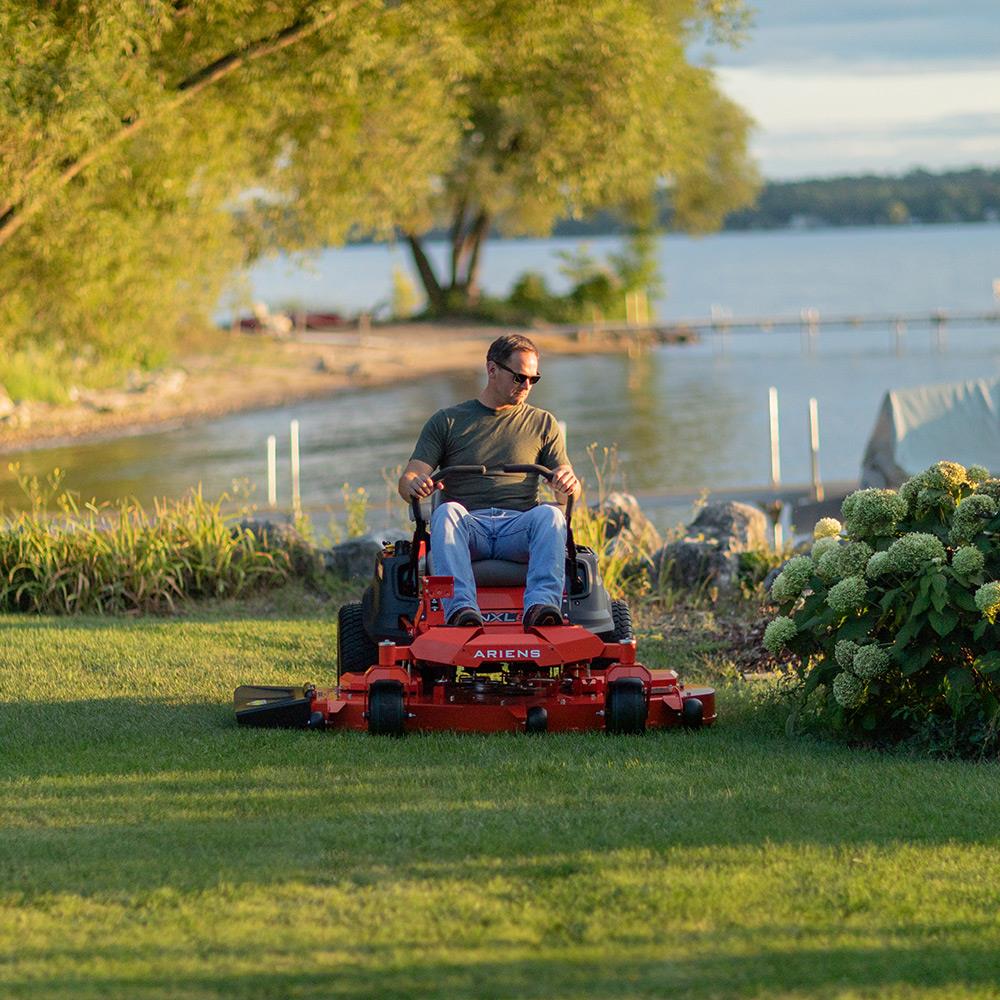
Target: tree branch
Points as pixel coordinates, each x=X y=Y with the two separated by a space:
x=17 y=215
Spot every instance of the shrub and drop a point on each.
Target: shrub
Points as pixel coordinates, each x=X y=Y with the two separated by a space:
x=894 y=627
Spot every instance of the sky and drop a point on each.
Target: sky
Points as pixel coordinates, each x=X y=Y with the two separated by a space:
x=868 y=86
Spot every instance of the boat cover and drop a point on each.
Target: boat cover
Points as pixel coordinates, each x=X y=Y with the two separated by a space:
x=955 y=422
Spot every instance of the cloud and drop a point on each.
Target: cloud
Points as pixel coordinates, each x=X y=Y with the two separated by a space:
x=857 y=85
x=881 y=33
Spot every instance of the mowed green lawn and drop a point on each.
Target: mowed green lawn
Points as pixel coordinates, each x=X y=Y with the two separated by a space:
x=150 y=848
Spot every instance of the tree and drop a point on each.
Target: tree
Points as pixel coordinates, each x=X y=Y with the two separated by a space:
x=131 y=132
x=567 y=108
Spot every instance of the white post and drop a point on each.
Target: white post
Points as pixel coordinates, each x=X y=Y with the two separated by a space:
x=272 y=469
x=898 y=331
x=818 y=492
x=775 y=465
x=296 y=497
x=775 y=444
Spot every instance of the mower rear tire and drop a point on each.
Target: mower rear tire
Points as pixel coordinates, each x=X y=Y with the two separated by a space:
x=625 y=707
x=386 y=713
x=355 y=650
x=622 y=616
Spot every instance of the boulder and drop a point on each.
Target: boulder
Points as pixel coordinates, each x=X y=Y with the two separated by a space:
x=354 y=559
x=627 y=526
x=305 y=559
x=709 y=553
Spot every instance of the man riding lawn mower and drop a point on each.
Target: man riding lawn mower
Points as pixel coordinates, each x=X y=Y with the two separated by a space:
x=495 y=620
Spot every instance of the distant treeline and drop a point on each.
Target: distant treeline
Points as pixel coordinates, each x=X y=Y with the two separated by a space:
x=919 y=196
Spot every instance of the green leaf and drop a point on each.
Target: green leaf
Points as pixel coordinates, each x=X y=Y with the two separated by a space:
x=943 y=621
x=988 y=663
x=961 y=597
x=979 y=629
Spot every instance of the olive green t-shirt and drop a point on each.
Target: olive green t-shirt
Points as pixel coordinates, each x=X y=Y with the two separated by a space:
x=473 y=434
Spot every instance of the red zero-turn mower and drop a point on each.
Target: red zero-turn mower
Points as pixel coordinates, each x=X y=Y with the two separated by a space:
x=402 y=669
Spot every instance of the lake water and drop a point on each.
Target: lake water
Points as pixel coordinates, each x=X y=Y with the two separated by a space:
x=682 y=417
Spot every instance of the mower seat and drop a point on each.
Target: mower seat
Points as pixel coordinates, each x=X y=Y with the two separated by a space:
x=492 y=572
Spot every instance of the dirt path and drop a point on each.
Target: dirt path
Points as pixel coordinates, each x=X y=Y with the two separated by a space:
x=252 y=371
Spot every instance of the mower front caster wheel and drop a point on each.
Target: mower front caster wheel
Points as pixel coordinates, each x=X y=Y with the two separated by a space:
x=625 y=707
x=692 y=713
x=386 y=715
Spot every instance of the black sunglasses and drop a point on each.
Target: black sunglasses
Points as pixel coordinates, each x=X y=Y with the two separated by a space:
x=518 y=377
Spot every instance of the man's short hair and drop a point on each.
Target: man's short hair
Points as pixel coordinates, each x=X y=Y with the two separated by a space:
x=503 y=347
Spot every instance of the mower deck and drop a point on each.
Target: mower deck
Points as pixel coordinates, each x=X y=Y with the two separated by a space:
x=498 y=678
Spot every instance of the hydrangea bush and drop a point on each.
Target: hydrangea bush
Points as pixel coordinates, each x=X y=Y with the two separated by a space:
x=893 y=613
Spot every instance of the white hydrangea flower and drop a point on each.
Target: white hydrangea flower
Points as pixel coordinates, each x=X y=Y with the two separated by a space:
x=978 y=473
x=909 y=553
x=844 y=652
x=779 y=633
x=827 y=527
x=877 y=565
x=988 y=600
x=847 y=596
x=970 y=516
x=823 y=545
x=868 y=513
x=870 y=662
x=793 y=579
x=968 y=561
x=848 y=690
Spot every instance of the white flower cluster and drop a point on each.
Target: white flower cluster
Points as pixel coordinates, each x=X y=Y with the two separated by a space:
x=877 y=565
x=793 y=579
x=848 y=596
x=870 y=662
x=968 y=561
x=970 y=516
x=848 y=690
x=945 y=477
x=823 y=545
x=843 y=561
x=868 y=513
x=988 y=600
x=909 y=553
x=779 y=633
x=844 y=652
x=978 y=473
x=827 y=527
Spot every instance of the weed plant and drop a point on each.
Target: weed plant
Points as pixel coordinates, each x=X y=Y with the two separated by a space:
x=62 y=556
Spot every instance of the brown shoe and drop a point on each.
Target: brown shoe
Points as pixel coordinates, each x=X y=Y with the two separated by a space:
x=542 y=614
x=465 y=618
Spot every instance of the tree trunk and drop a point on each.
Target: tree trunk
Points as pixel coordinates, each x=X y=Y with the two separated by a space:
x=435 y=294
x=480 y=230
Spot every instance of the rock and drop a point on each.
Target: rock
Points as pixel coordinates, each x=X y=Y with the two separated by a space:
x=7 y=405
x=709 y=554
x=355 y=558
x=627 y=526
x=305 y=559
x=743 y=526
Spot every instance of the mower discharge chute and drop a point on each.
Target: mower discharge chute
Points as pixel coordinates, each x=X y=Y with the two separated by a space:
x=402 y=669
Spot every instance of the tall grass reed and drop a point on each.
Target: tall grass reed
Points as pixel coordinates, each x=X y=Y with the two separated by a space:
x=61 y=556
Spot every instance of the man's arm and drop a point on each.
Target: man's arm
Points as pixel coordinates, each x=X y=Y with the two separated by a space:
x=416 y=482
x=565 y=481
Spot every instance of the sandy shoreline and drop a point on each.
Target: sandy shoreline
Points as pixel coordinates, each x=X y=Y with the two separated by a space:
x=252 y=371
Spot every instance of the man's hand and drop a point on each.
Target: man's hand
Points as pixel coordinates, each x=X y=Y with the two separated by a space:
x=415 y=483
x=565 y=481
x=421 y=486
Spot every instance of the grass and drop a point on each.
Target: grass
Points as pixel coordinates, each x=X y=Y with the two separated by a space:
x=149 y=848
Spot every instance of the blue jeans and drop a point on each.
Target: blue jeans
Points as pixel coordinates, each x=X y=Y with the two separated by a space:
x=536 y=536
